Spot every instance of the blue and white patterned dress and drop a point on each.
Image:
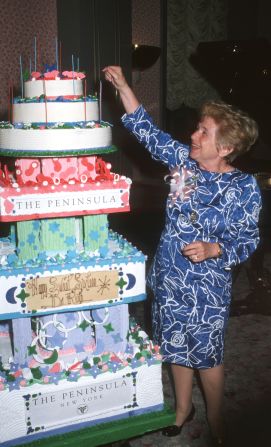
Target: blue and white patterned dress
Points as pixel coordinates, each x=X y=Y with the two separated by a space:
x=191 y=306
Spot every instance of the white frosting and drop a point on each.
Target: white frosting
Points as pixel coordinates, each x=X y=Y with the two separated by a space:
x=60 y=407
x=57 y=87
x=55 y=139
x=73 y=111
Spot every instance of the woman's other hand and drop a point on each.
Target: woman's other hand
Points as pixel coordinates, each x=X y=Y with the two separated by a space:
x=198 y=251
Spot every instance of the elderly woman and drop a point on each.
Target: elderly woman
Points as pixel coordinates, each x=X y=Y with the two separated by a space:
x=211 y=225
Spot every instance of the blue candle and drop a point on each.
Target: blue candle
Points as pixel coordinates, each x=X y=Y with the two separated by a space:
x=73 y=75
x=78 y=64
x=100 y=101
x=56 y=54
x=21 y=75
x=30 y=66
x=35 y=53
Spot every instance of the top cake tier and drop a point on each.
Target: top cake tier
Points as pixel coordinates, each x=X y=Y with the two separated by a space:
x=53 y=87
x=53 y=98
x=55 y=117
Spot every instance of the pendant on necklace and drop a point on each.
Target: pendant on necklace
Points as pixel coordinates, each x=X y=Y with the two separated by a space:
x=193 y=216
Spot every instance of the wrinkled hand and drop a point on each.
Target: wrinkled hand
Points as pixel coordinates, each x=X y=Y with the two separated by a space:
x=114 y=74
x=198 y=251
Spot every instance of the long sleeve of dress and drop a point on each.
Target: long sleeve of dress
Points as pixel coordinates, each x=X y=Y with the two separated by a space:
x=240 y=240
x=161 y=145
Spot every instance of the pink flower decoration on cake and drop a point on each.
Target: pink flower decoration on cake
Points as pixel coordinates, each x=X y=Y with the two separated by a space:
x=17 y=373
x=50 y=75
x=80 y=75
x=68 y=74
x=73 y=75
x=36 y=75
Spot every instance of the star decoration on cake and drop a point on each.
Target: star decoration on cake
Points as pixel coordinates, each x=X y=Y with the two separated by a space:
x=84 y=325
x=31 y=239
x=70 y=240
x=117 y=338
x=57 y=340
x=54 y=227
x=22 y=295
x=108 y=327
x=94 y=235
x=31 y=350
x=121 y=283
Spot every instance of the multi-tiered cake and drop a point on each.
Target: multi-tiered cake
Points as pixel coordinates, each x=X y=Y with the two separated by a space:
x=70 y=357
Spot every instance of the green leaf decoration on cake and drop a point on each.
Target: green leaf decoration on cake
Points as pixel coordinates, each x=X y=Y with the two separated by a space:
x=10 y=378
x=121 y=283
x=31 y=350
x=96 y=360
x=86 y=365
x=108 y=328
x=52 y=359
x=105 y=358
x=36 y=373
x=22 y=295
x=84 y=325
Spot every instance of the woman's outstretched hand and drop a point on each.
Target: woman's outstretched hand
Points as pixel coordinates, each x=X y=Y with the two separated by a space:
x=114 y=74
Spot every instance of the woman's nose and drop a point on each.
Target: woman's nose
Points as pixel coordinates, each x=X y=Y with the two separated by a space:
x=194 y=134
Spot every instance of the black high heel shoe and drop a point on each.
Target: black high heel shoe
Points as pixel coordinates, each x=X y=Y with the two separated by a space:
x=175 y=430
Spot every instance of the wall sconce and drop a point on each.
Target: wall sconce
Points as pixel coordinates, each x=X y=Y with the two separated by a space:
x=144 y=56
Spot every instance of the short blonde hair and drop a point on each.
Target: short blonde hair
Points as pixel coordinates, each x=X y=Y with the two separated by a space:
x=235 y=128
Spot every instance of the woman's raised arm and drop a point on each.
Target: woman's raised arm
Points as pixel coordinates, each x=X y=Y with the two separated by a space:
x=114 y=75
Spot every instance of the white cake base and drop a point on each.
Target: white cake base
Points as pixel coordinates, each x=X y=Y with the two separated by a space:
x=31 y=413
x=20 y=140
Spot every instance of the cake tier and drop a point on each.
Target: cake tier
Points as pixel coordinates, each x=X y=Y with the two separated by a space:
x=53 y=87
x=58 y=140
x=58 y=110
x=63 y=200
x=65 y=339
x=72 y=282
x=68 y=405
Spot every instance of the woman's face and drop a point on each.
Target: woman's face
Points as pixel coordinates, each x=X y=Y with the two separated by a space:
x=203 y=148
